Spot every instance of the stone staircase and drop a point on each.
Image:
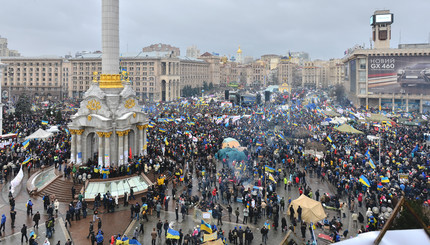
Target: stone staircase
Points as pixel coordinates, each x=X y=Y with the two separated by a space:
x=62 y=189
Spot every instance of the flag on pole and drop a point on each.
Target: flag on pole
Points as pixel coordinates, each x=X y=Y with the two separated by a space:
x=205 y=227
x=272 y=178
x=364 y=181
x=28 y=159
x=269 y=169
x=162 y=130
x=26 y=143
x=44 y=122
x=329 y=139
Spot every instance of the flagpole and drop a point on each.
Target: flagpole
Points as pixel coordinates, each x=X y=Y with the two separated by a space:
x=379 y=147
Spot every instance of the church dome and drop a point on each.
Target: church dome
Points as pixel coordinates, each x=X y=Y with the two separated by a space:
x=239 y=51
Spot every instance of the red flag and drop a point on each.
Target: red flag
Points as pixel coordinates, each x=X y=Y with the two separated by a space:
x=129 y=153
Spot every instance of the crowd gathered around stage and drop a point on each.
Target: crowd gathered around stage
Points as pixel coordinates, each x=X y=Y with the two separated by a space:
x=281 y=145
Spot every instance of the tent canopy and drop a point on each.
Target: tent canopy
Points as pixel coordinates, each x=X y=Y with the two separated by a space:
x=415 y=236
x=345 y=128
x=230 y=142
x=39 y=134
x=53 y=129
x=377 y=118
x=232 y=153
x=331 y=113
x=312 y=211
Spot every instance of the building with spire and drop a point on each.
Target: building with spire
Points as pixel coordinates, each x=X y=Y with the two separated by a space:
x=239 y=57
x=109 y=126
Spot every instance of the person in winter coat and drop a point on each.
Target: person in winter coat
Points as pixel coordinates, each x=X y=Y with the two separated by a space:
x=284 y=226
x=36 y=219
x=3 y=222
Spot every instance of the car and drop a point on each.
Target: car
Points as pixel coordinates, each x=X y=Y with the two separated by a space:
x=417 y=74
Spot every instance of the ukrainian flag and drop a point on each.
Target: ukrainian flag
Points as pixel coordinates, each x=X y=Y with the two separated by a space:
x=385 y=179
x=329 y=139
x=269 y=169
x=172 y=234
x=258 y=143
x=151 y=125
x=364 y=181
x=372 y=164
x=281 y=136
x=26 y=143
x=272 y=178
x=44 y=122
x=165 y=141
x=206 y=227
x=162 y=130
x=26 y=160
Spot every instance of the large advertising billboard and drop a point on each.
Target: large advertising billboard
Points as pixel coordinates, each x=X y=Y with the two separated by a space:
x=399 y=74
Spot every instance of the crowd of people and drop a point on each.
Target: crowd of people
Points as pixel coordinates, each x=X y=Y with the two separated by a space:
x=275 y=140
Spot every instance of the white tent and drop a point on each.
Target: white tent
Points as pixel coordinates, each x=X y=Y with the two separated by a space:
x=416 y=236
x=53 y=129
x=39 y=134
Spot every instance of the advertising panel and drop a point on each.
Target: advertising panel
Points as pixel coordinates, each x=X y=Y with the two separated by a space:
x=399 y=74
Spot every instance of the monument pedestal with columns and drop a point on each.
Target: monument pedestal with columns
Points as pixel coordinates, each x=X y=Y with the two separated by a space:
x=108 y=127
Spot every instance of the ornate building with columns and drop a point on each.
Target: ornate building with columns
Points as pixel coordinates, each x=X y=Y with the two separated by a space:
x=109 y=125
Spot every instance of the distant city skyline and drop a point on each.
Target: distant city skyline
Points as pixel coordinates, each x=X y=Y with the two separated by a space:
x=322 y=29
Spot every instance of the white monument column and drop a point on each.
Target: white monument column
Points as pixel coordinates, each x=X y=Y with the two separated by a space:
x=126 y=146
x=140 y=145
x=79 y=146
x=73 y=146
x=101 y=153
x=110 y=36
x=120 y=147
x=107 y=148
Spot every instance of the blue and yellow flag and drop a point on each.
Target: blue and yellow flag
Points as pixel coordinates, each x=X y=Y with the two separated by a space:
x=165 y=141
x=364 y=181
x=269 y=169
x=26 y=143
x=329 y=139
x=385 y=179
x=272 y=178
x=28 y=159
x=162 y=130
x=172 y=234
x=206 y=227
x=44 y=122
x=371 y=163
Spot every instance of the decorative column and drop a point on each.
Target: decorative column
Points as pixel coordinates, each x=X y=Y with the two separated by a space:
x=126 y=145
x=101 y=153
x=73 y=146
x=140 y=145
x=120 y=147
x=107 y=148
x=145 y=142
x=79 y=133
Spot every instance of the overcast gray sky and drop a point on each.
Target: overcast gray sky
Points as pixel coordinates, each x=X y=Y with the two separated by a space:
x=323 y=28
